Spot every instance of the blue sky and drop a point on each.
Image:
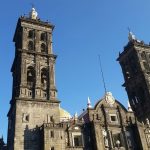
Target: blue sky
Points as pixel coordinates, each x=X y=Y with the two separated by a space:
x=83 y=29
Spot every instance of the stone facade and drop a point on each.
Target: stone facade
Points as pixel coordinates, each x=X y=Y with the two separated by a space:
x=36 y=120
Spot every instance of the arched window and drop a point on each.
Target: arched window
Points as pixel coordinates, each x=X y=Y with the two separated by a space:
x=43 y=36
x=30 y=45
x=31 y=34
x=77 y=140
x=43 y=48
x=52 y=134
x=30 y=76
x=143 y=56
x=44 y=77
x=52 y=148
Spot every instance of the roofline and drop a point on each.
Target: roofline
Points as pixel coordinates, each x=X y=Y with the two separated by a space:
x=32 y=21
x=115 y=101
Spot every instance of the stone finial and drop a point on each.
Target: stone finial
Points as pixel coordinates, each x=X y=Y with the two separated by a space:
x=129 y=107
x=89 y=103
x=33 y=14
x=131 y=36
x=147 y=122
x=76 y=115
x=75 y=118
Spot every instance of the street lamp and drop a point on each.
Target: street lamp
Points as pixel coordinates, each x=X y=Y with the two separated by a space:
x=118 y=144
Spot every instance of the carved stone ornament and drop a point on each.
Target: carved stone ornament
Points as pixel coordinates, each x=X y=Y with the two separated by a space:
x=76 y=128
x=109 y=98
x=104 y=133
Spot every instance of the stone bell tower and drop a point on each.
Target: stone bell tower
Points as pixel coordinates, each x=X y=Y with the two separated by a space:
x=34 y=94
x=135 y=64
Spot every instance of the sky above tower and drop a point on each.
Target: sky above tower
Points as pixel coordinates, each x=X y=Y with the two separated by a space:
x=83 y=30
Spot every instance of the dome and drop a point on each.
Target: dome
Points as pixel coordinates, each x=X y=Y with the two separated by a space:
x=64 y=115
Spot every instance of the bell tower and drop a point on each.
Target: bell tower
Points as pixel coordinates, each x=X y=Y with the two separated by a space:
x=33 y=66
x=135 y=64
x=34 y=94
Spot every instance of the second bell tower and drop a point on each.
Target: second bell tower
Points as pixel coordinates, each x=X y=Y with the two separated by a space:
x=135 y=64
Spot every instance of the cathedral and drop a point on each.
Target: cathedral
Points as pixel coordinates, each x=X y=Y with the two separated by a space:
x=36 y=120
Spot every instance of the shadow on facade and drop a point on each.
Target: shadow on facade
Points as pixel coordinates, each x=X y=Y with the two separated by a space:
x=32 y=138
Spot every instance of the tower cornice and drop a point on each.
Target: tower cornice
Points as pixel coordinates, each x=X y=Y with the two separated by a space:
x=133 y=45
x=36 y=21
x=32 y=21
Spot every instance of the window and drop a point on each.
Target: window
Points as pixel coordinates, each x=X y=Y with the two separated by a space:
x=52 y=148
x=43 y=36
x=77 y=140
x=30 y=76
x=45 y=95
x=44 y=77
x=30 y=45
x=31 y=34
x=52 y=134
x=29 y=93
x=113 y=118
x=25 y=117
x=43 y=48
x=98 y=117
x=51 y=119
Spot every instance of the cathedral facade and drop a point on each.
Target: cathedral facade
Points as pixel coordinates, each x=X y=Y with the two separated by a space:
x=37 y=122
